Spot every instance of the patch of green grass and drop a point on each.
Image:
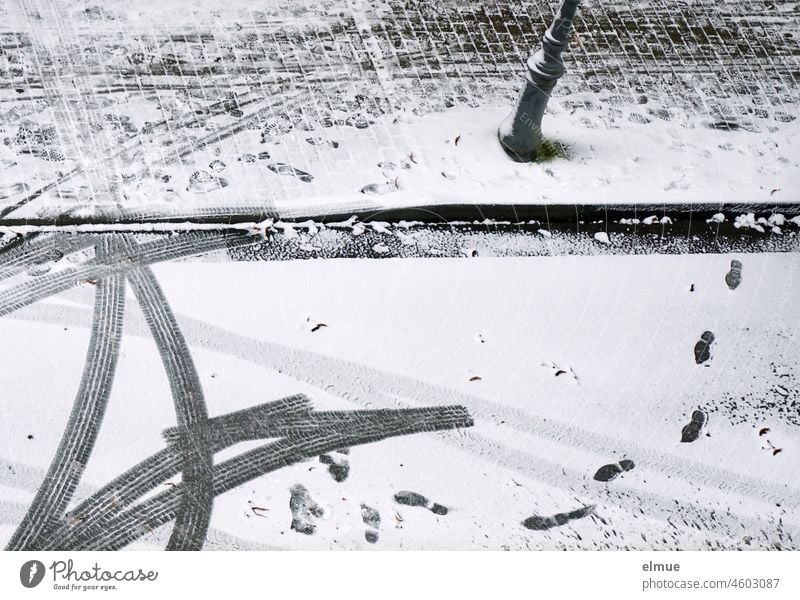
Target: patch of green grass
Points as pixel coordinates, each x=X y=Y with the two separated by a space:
x=550 y=150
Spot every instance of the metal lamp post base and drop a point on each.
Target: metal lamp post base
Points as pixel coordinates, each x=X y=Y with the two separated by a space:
x=520 y=133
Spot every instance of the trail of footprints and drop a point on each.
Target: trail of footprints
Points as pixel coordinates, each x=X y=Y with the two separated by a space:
x=702 y=349
x=305 y=510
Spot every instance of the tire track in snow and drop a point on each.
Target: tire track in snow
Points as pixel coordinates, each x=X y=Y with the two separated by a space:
x=33 y=249
x=228 y=431
x=194 y=515
x=359 y=384
x=91 y=516
x=161 y=509
x=80 y=434
x=288 y=417
x=216 y=540
x=12 y=512
x=118 y=261
x=20 y=476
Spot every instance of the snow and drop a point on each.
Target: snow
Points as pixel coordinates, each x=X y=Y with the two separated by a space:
x=566 y=363
x=602 y=237
x=630 y=164
x=414 y=333
x=654 y=141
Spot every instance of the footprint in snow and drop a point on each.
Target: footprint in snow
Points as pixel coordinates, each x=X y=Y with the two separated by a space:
x=372 y=519
x=318 y=141
x=609 y=472
x=44 y=265
x=284 y=169
x=202 y=182
x=359 y=122
x=702 y=349
x=408 y=498
x=734 y=277
x=539 y=523
x=305 y=510
x=691 y=432
x=338 y=464
x=379 y=188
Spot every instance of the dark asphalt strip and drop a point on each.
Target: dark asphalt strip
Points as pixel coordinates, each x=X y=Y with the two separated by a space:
x=688 y=217
x=88 y=410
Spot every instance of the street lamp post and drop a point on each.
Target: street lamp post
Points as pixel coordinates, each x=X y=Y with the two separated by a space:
x=520 y=133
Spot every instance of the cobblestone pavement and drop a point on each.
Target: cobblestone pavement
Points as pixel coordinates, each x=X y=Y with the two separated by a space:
x=97 y=97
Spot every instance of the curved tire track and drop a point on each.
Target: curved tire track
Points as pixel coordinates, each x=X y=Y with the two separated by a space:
x=92 y=515
x=34 y=248
x=197 y=495
x=117 y=261
x=161 y=509
x=87 y=414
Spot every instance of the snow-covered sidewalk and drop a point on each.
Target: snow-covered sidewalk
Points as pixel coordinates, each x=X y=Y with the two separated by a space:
x=347 y=106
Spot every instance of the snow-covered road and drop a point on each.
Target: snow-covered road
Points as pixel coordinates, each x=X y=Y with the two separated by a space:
x=566 y=364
